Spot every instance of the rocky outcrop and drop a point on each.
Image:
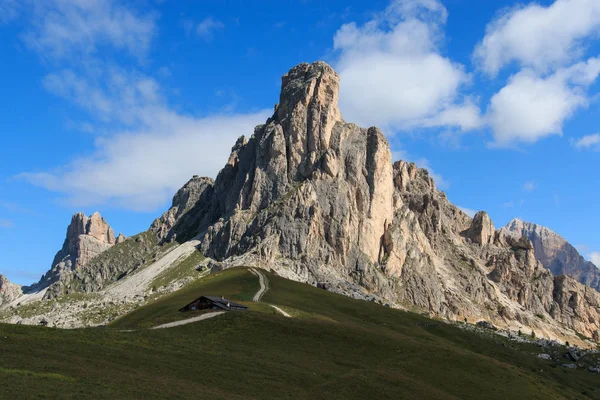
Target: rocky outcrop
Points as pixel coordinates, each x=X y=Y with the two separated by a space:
x=8 y=290
x=555 y=253
x=86 y=238
x=482 y=229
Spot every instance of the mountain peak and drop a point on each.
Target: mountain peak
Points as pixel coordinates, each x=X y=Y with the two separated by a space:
x=555 y=253
x=315 y=83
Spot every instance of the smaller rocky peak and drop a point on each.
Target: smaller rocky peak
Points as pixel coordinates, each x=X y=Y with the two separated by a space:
x=482 y=229
x=98 y=228
x=121 y=238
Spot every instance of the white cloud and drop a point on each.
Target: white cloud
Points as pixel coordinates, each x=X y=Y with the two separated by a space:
x=5 y=223
x=148 y=150
x=471 y=213
x=145 y=150
x=529 y=186
x=142 y=169
x=588 y=142
x=595 y=258
x=393 y=75
x=61 y=29
x=539 y=37
x=207 y=27
x=531 y=107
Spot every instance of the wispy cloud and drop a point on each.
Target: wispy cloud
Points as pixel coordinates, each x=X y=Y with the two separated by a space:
x=63 y=29
x=5 y=223
x=529 y=186
x=144 y=149
x=588 y=142
x=207 y=28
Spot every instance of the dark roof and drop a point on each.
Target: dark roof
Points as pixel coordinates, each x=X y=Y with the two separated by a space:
x=219 y=302
x=223 y=302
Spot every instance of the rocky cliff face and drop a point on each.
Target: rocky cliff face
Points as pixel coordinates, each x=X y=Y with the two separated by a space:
x=318 y=200
x=86 y=238
x=556 y=254
x=8 y=290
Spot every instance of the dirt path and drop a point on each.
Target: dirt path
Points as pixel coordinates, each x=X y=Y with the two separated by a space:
x=264 y=285
x=189 y=321
x=280 y=311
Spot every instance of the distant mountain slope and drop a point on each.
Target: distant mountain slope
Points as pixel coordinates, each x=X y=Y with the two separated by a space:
x=555 y=253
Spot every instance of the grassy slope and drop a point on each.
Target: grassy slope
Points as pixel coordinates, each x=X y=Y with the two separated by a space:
x=341 y=348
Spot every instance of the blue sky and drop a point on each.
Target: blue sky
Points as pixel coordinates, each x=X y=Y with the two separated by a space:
x=111 y=106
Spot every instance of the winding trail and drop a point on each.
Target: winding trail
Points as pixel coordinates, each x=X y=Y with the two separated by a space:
x=264 y=285
x=189 y=320
x=280 y=311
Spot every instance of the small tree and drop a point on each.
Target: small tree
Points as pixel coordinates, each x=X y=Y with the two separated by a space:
x=520 y=333
x=533 y=334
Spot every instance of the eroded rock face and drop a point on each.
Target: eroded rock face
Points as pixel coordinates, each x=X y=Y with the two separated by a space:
x=8 y=290
x=86 y=238
x=555 y=253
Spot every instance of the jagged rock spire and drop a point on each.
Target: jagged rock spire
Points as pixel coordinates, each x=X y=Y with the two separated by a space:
x=86 y=238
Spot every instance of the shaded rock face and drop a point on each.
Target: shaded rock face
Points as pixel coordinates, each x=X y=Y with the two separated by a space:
x=556 y=254
x=178 y=221
x=86 y=238
x=8 y=290
x=318 y=200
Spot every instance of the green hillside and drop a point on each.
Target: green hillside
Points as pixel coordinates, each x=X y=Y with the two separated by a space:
x=334 y=348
